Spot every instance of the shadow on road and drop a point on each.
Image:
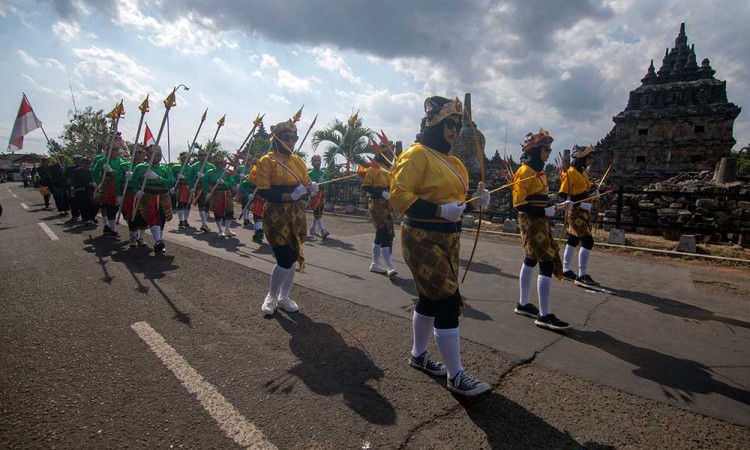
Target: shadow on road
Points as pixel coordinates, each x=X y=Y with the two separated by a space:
x=484 y=268
x=684 y=376
x=678 y=309
x=329 y=366
x=510 y=425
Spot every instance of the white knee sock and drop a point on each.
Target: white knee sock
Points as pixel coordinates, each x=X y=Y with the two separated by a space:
x=219 y=222
x=387 y=257
x=134 y=234
x=278 y=274
x=204 y=217
x=179 y=214
x=186 y=214
x=228 y=224
x=141 y=233
x=543 y=286
x=568 y=257
x=105 y=221
x=421 y=329
x=376 y=255
x=524 y=281
x=113 y=226
x=286 y=285
x=156 y=233
x=320 y=224
x=258 y=224
x=246 y=215
x=449 y=343
x=583 y=261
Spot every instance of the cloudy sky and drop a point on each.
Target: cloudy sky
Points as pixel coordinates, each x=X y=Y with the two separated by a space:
x=566 y=66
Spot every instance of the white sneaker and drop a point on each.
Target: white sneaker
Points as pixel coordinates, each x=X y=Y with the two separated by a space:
x=287 y=304
x=313 y=232
x=269 y=305
x=391 y=273
x=377 y=268
x=229 y=233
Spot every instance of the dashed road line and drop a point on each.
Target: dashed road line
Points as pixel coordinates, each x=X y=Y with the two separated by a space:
x=24 y=205
x=14 y=195
x=49 y=232
x=230 y=420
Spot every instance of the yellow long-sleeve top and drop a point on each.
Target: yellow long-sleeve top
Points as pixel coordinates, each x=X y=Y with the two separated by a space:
x=532 y=192
x=430 y=175
x=575 y=184
x=273 y=180
x=376 y=181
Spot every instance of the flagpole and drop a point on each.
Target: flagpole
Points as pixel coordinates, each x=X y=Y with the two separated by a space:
x=220 y=124
x=115 y=114
x=190 y=146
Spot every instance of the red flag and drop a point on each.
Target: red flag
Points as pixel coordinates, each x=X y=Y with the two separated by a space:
x=148 y=137
x=26 y=121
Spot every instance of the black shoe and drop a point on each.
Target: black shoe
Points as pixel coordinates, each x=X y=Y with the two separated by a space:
x=181 y=224
x=569 y=275
x=551 y=322
x=106 y=230
x=527 y=310
x=160 y=248
x=246 y=223
x=114 y=234
x=585 y=281
x=258 y=237
x=426 y=364
x=205 y=229
x=140 y=242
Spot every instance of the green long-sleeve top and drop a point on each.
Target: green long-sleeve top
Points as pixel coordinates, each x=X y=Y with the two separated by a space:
x=120 y=174
x=246 y=186
x=213 y=175
x=177 y=167
x=162 y=170
x=195 y=168
x=96 y=171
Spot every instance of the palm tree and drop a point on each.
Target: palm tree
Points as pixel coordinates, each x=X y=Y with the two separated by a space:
x=346 y=139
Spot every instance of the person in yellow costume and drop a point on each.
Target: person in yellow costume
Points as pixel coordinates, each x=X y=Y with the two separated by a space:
x=429 y=188
x=281 y=179
x=575 y=187
x=531 y=200
x=377 y=183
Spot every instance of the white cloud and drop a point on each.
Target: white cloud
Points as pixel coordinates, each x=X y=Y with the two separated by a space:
x=268 y=62
x=114 y=73
x=27 y=59
x=279 y=99
x=286 y=80
x=329 y=59
x=218 y=62
x=38 y=86
x=66 y=31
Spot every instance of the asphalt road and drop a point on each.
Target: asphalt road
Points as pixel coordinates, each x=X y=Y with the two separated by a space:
x=109 y=347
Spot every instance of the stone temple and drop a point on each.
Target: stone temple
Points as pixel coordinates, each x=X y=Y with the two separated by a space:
x=678 y=120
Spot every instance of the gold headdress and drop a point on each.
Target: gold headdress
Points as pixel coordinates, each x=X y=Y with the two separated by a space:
x=436 y=110
x=532 y=141
x=580 y=152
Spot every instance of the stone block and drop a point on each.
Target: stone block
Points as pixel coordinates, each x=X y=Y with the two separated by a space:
x=467 y=220
x=744 y=205
x=708 y=203
x=687 y=244
x=666 y=212
x=497 y=219
x=616 y=237
x=510 y=226
x=646 y=205
x=744 y=240
x=350 y=209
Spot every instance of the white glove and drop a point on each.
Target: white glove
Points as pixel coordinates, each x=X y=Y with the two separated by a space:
x=386 y=195
x=313 y=188
x=220 y=181
x=250 y=197
x=585 y=205
x=180 y=176
x=151 y=175
x=595 y=193
x=139 y=194
x=298 y=192
x=120 y=200
x=171 y=190
x=93 y=183
x=452 y=211
x=128 y=175
x=550 y=211
x=192 y=191
x=483 y=200
x=200 y=175
x=107 y=168
x=567 y=205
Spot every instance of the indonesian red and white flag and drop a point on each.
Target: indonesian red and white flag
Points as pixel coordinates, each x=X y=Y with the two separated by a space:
x=26 y=121
x=148 y=137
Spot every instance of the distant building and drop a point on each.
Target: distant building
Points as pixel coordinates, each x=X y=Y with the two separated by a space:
x=678 y=120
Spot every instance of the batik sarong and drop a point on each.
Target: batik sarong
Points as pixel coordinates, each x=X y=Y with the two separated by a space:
x=286 y=224
x=538 y=243
x=432 y=257
x=579 y=222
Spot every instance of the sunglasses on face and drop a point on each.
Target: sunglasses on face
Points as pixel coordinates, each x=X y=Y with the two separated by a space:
x=453 y=125
x=289 y=137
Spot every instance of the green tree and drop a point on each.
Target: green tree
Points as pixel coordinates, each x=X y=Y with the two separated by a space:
x=743 y=161
x=85 y=134
x=341 y=139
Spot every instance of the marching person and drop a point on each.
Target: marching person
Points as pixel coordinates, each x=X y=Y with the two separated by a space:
x=377 y=183
x=246 y=191
x=108 y=188
x=199 y=196
x=181 y=195
x=46 y=181
x=219 y=183
x=60 y=190
x=74 y=212
x=282 y=180
x=318 y=201
x=83 y=192
x=155 y=206
x=136 y=226
x=256 y=206
x=429 y=187
x=531 y=200
x=576 y=186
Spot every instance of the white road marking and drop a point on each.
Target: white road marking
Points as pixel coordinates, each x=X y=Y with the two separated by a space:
x=24 y=205
x=49 y=232
x=230 y=420
x=14 y=195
